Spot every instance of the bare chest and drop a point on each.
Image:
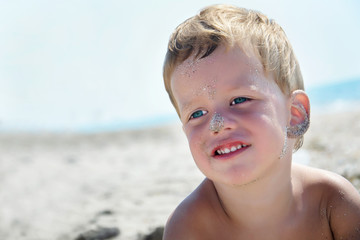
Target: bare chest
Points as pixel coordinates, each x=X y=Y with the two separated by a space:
x=309 y=227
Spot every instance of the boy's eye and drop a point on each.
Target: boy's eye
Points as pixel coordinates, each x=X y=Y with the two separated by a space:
x=197 y=114
x=239 y=100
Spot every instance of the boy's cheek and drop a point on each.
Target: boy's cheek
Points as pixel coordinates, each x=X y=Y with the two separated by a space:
x=195 y=141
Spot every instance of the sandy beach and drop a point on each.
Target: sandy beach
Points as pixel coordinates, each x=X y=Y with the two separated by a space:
x=57 y=186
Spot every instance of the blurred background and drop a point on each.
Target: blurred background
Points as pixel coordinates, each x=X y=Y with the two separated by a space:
x=97 y=65
x=88 y=138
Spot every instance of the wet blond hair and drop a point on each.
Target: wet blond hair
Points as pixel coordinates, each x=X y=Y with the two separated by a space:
x=231 y=27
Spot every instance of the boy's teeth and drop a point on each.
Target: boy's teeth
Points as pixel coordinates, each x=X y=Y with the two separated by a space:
x=232 y=149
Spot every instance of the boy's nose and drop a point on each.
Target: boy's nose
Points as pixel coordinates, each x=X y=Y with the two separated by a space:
x=219 y=122
x=216 y=123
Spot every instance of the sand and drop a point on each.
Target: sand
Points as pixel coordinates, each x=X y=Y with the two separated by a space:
x=56 y=186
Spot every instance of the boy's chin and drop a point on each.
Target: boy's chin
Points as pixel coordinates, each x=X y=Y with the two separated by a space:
x=236 y=181
x=242 y=183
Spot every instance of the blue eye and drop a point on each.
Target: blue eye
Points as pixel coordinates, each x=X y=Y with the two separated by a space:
x=198 y=113
x=239 y=100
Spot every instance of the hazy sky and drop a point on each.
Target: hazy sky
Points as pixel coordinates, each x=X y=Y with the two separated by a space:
x=68 y=65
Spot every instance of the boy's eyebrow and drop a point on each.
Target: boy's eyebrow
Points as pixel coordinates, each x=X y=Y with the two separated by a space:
x=186 y=107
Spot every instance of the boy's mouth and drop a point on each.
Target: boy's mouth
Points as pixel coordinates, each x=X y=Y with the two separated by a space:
x=228 y=148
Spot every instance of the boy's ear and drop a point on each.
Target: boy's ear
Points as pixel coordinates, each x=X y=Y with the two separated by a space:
x=300 y=108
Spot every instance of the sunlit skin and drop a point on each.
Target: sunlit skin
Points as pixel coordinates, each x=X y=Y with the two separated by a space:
x=252 y=190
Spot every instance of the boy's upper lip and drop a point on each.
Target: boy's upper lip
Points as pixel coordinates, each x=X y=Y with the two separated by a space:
x=227 y=144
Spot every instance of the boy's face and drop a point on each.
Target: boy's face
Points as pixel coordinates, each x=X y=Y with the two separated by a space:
x=227 y=103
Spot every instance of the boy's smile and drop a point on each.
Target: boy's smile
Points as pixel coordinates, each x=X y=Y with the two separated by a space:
x=227 y=150
x=231 y=86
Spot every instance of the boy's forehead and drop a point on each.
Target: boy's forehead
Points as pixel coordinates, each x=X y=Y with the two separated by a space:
x=190 y=66
x=193 y=69
x=191 y=72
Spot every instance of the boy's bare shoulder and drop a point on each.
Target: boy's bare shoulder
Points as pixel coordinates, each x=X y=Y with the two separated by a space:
x=190 y=218
x=337 y=198
x=329 y=184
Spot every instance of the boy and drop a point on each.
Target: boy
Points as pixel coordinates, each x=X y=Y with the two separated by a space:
x=236 y=85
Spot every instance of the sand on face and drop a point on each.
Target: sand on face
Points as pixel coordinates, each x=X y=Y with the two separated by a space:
x=57 y=186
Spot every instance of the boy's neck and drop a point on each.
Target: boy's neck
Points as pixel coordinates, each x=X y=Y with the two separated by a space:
x=269 y=200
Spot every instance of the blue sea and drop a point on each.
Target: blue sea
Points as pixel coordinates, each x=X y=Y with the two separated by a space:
x=336 y=96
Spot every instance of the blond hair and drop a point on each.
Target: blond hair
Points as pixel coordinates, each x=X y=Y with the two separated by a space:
x=232 y=27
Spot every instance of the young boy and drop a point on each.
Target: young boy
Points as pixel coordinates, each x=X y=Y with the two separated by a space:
x=236 y=85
